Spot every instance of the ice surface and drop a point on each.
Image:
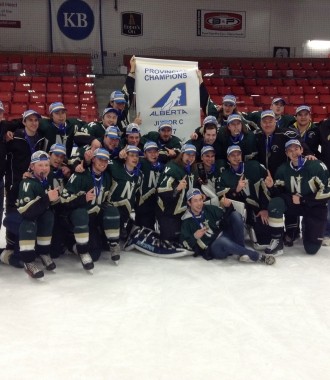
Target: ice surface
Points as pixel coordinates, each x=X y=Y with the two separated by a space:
x=158 y=319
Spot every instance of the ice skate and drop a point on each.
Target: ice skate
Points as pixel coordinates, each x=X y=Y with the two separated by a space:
x=245 y=259
x=32 y=270
x=86 y=261
x=275 y=247
x=47 y=262
x=8 y=257
x=267 y=259
x=115 y=252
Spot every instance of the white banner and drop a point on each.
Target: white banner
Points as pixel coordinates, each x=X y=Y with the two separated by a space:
x=167 y=90
x=76 y=28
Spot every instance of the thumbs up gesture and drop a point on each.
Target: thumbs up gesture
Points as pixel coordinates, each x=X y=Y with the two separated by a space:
x=269 y=180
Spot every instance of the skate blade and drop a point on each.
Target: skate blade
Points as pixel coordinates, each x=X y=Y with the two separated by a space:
x=116 y=263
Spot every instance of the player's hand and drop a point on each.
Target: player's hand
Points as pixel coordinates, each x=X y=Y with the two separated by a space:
x=132 y=63
x=88 y=155
x=9 y=136
x=200 y=233
x=269 y=182
x=170 y=152
x=310 y=157
x=200 y=76
x=296 y=199
x=27 y=175
x=194 y=136
x=138 y=119
x=241 y=184
x=182 y=184
x=90 y=195
x=54 y=194
x=95 y=145
x=263 y=216
x=225 y=202
x=79 y=168
x=123 y=154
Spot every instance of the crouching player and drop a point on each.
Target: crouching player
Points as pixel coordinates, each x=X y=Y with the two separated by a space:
x=34 y=204
x=86 y=197
x=300 y=188
x=213 y=232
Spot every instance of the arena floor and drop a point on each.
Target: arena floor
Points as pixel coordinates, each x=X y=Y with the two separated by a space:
x=158 y=319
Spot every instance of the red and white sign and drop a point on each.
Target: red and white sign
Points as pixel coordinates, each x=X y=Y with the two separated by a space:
x=220 y=23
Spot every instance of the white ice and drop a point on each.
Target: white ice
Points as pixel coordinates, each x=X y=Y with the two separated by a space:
x=158 y=319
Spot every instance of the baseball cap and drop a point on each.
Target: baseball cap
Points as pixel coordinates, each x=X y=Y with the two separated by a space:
x=292 y=142
x=207 y=148
x=275 y=100
x=233 y=117
x=210 y=120
x=57 y=106
x=165 y=124
x=232 y=148
x=118 y=97
x=57 y=149
x=108 y=110
x=112 y=133
x=192 y=192
x=101 y=153
x=39 y=155
x=229 y=99
x=2 y=108
x=150 y=145
x=132 y=128
x=303 y=108
x=28 y=113
x=267 y=113
x=188 y=148
x=132 y=149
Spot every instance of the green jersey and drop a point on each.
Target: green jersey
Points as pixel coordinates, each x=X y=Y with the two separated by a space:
x=255 y=191
x=210 y=218
x=169 y=200
x=33 y=200
x=74 y=193
x=310 y=181
x=125 y=185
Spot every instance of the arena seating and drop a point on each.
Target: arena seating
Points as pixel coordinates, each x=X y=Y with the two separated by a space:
x=299 y=82
x=34 y=81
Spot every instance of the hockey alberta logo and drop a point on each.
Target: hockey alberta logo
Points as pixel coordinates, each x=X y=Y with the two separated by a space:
x=176 y=96
x=75 y=18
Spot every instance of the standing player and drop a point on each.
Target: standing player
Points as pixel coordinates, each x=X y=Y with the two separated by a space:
x=34 y=204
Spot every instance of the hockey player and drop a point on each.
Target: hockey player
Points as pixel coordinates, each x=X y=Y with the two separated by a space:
x=151 y=168
x=209 y=137
x=93 y=133
x=25 y=141
x=169 y=145
x=86 y=197
x=34 y=204
x=209 y=173
x=245 y=182
x=58 y=128
x=213 y=232
x=236 y=133
x=178 y=177
x=126 y=180
x=300 y=188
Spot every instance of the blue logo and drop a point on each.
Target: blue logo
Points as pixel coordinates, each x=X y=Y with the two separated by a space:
x=174 y=97
x=75 y=19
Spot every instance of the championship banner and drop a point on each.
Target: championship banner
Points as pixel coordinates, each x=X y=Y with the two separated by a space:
x=167 y=91
x=76 y=28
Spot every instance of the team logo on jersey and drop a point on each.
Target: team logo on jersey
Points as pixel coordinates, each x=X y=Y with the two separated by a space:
x=75 y=18
x=176 y=96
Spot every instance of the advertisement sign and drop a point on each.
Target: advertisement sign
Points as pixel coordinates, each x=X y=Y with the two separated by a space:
x=212 y=23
